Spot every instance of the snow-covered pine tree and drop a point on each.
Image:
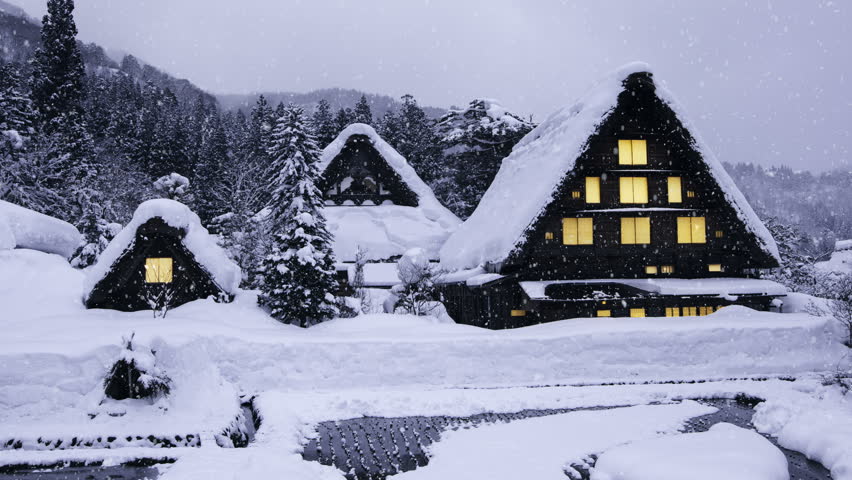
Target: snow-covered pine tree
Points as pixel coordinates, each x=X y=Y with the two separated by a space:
x=173 y=186
x=298 y=272
x=258 y=142
x=344 y=118
x=135 y=374
x=322 y=124
x=410 y=132
x=362 y=112
x=474 y=140
x=209 y=180
x=796 y=271
x=16 y=108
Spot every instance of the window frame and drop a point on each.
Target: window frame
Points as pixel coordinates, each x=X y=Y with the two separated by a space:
x=632 y=190
x=627 y=152
x=581 y=229
x=155 y=273
x=593 y=189
x=695 y=227
x=630 y=229
x=675 y=189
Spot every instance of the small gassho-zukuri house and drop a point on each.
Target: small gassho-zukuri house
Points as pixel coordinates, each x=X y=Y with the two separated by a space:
x=376 y=202
x=613 y=207
x=163 y=255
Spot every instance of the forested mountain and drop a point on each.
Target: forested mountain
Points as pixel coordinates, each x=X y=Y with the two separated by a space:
x=337 y=98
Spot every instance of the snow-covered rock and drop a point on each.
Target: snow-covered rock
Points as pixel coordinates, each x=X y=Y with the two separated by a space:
x=197 y=240
x=723 y=452
x=24 y=228
x=528 y=178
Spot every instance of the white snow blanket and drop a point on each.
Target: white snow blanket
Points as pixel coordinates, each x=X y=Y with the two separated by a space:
x=673 y=286
x=529 y=176
x=386 y=230
x=840 y=262
x=723 y=452
x=24 y=228
x=197 y=240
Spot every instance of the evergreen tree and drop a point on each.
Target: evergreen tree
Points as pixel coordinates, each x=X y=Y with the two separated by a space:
x=16 y=108
x=362 y=113
x=323 y=125
x=796 y=271
x=209 y=179
x=410 y=133
x=298 y=272
x=344 y=118
x=474 y=140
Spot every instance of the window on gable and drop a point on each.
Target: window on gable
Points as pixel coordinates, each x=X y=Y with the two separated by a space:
x=158 y=270
x=651 y=270
x=577 y=231
x=548 y=235
x=675 y=190
x=667 y=268
x=633 y=189
x=714 y=267
x=691 y=230
x=632 y=152
x=636 y=231
x=593 y=190
x=576 y=194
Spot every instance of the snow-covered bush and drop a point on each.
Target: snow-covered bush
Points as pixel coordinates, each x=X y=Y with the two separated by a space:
x=415 y=295
x=174 y=187
x=135 y=374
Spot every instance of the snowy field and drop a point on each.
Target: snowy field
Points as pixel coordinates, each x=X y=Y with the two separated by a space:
x=54 y=354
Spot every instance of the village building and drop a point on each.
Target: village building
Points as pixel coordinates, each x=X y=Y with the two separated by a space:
x=24 y=228
x=613 y=207
x=839 y=262
x=376 y=203
x=163 y=256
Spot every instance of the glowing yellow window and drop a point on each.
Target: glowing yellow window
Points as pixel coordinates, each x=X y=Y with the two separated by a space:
x=720 y=234
x=691 y=230
x=667 y=269
x=690 y=194
x=690 y=312
x=158 y=270
x=577 y=231
x=593 y=190
x=576 y=194
x=632 y=152
x=519 y=313
x=633 y=189
x=651 y=270
x=705 y=311
x=636 y=231
x=673 y=312
x=637 y=312
x=675 y=190
x=604 y=313
x=714 y=267
x=548 y=235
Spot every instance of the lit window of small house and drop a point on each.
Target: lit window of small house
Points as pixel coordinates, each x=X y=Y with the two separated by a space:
x=714 y=267
x=518 y=313
x=673 y=311
x=593 y=190
x=667 y=269
x=675 y=190
x=604 y=313
x=636 y=231
x=632 y=152
x=637 y=312
x=158 y=270
x=577 y=231
x=651 y=270
x=633 y=189
x=691 y=230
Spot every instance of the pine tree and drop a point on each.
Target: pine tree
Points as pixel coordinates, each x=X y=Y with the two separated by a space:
x=16 y=108
x=410 y=133
x=362 y=113
x=209 y=180
x=796 y=271
x=323 y=125
x=344 y=118
x=298 y=272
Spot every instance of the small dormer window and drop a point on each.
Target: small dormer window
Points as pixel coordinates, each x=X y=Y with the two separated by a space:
x=158 y=270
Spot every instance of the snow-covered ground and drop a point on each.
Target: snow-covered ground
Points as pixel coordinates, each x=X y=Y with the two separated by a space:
x=54 y=354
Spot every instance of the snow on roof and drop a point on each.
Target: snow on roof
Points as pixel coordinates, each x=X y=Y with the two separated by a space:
x=387 y=230
x=840 y=262
x=672 y=286
x=377 y=274
x=24 y=228
x=201 y=244
x=530 y=175
x=841 y=245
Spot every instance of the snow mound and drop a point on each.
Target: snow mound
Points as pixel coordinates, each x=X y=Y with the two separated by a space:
x=24 y=228
x=530 y=175
x=840 y=262
x=725 y=451
x=197 y=240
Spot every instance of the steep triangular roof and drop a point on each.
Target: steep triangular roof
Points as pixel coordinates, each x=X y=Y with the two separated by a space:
x=529 y=177
x=224 y=272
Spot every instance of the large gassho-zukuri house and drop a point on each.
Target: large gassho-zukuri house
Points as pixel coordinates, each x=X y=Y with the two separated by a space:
x=376 y=203
x=613 y=207
x=164 y=255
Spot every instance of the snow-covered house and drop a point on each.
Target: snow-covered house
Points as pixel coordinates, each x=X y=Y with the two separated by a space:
x=611 y=207
x=375 y=201
x=163 y=251
x=840 y=262
x=24 y=228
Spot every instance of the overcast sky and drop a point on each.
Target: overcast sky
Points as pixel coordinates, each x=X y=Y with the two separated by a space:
x=766 y=81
